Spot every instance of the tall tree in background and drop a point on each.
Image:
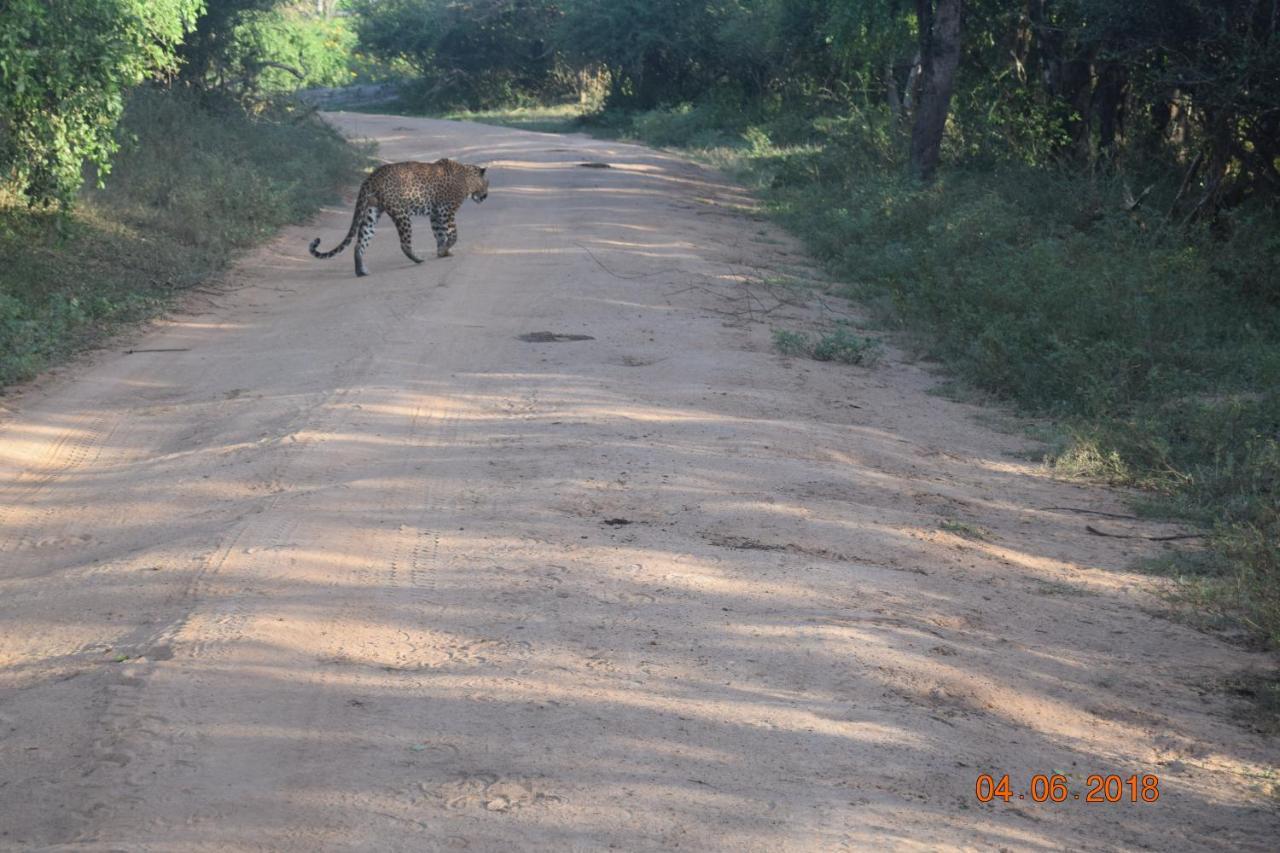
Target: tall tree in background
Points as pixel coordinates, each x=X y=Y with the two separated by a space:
x=214 y=34
x=282 y=49
x=939 y=22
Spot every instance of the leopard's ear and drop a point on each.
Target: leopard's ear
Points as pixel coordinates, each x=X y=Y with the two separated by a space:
x=482 y=170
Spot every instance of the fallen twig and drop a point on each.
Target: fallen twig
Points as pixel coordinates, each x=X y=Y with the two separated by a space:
x=1089 y=511
x=602 y=266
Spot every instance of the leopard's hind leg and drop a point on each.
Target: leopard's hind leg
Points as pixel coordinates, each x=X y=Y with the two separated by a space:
x=366 y=234
x=451 y=229
x=440 y=227
x=404 y=227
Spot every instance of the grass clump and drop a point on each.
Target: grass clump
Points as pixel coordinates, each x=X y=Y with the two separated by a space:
x=197 y=181
x=965 y=530
x=792 y=343
x=840 y=345
x=844 y=346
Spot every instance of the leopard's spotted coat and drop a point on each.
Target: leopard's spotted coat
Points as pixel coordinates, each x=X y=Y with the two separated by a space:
x=404 y=190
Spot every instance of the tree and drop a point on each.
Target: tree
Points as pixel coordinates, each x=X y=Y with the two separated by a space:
x=939 y=22
x=65 y=66
x=282 y=50
x=214 y=35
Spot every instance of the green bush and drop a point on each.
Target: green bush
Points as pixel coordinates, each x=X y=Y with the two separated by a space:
x=65 y=66
x=844 y=346
x=264 y=44
x=840 y=345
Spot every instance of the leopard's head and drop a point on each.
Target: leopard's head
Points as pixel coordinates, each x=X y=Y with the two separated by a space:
x=477 y=183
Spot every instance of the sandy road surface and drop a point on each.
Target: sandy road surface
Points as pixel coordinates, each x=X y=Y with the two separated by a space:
x=340 y=574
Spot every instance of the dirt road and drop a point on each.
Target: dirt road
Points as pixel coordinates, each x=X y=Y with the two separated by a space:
x=340 y=564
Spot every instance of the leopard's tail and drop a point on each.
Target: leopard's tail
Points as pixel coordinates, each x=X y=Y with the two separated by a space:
x=362 y=208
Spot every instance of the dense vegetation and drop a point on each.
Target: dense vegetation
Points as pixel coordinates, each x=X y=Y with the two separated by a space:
x=187 y=163
x=65 y=66
x=255 y=47
x=1094 y=235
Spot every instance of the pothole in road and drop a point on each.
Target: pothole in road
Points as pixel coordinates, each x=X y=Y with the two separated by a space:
x=595 y=166
x=550 y=338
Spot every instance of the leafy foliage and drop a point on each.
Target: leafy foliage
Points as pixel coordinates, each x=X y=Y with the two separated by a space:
x=212 y=40
x=65 y=67
x=266 y=47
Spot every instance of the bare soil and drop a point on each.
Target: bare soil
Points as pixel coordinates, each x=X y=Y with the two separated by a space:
x=543 y=547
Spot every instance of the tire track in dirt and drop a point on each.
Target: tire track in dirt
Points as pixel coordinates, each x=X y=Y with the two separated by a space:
x=137 y=720
x=78 y=445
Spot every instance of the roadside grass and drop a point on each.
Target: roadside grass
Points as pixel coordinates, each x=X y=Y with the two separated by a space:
x=841 y=344
x=965 y=530
x=1153 y=347
x=196 y=182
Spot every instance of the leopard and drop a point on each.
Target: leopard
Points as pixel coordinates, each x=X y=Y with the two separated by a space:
x=405 y=190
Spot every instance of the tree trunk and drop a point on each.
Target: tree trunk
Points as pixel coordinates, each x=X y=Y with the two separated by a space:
x=940 y=52
x=1109 y=98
